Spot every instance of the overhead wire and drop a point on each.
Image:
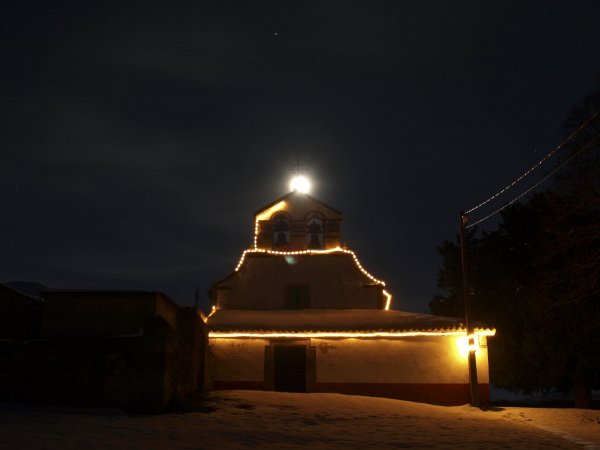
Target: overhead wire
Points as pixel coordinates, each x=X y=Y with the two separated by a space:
x=536 y=165
x=506 y=205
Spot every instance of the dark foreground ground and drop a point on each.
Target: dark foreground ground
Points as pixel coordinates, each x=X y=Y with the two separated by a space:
x=271 y=420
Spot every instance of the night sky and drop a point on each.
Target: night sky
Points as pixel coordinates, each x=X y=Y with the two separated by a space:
x=137 y=141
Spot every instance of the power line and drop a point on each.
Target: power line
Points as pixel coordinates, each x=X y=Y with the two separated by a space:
x=506 y=205
x=536 y=165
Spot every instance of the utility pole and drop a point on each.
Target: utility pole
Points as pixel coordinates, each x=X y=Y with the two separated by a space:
x=474 y=385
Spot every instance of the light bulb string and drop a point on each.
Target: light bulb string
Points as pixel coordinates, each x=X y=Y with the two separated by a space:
x=506 y=205
x=536 y=165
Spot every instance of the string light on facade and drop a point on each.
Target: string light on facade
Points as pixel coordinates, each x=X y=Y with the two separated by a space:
x=388 y=299
x=213 y=310
x=348 y=334
x=281 y=205
x=311 y=252
x=265 y=215
x=205 y=318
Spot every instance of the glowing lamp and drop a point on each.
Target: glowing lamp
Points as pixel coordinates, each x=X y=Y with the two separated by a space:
x=468 y=344
x=473 y=343
x=300 y=183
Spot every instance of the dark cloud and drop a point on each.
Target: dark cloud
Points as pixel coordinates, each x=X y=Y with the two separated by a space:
x=137 y=140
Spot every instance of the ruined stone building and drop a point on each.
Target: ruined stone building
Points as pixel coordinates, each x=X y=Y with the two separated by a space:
x=134 y=350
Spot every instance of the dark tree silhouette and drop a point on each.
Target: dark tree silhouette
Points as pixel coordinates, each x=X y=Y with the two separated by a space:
x=536 y=278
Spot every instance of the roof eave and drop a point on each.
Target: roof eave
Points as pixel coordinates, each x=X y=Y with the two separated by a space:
x=274 y=202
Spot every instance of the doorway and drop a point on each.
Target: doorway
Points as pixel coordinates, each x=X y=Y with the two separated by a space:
x=289 y=368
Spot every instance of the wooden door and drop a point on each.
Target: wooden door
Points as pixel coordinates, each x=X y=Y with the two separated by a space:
x=289 y=368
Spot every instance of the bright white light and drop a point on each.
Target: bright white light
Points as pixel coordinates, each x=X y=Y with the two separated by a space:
x=468 y=343
x=300 y=183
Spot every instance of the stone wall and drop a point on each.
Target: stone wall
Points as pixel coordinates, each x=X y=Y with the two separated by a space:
x=103 y=313
x=157 y=367
x=334 y=280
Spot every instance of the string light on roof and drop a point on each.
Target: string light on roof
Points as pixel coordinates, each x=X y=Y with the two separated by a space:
x=388 y=299
x=212 y=311
x=311 y=252
x=265 y=215
x=346 y=334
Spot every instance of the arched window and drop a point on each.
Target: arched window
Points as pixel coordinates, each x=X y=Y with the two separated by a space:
x=281 y=231
x=314 y=233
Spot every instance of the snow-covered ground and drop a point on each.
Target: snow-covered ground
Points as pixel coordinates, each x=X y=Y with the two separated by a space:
x=273 y=420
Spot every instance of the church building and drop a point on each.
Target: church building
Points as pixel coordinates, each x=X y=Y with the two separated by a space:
x=299 y=313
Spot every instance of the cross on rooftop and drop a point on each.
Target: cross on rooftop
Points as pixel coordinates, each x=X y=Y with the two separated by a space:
x=298 y=168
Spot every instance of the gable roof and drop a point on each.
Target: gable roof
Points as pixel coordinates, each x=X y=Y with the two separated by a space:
x=331 y=320
x=294 y=194
x=15 y=292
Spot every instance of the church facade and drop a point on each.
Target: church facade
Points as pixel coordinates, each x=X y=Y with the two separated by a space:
x=300 y=313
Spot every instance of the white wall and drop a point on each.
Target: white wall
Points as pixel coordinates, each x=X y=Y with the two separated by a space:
x=421 y=359
x=238 y=359
x=483 y=368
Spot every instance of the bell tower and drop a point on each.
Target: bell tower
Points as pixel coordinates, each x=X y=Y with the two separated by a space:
x=297 y=262
x=297 y=222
